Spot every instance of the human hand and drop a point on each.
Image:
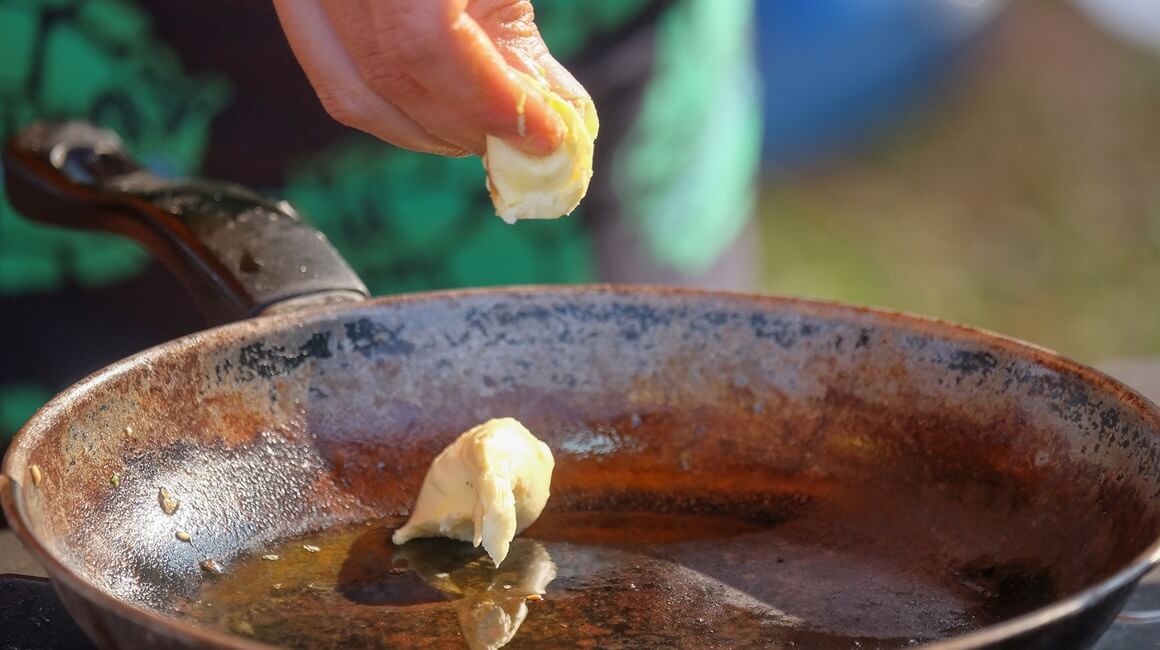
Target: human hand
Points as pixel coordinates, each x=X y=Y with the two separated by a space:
x=431 y=75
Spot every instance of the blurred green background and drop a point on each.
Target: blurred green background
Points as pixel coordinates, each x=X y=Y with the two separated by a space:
x=1023 y=197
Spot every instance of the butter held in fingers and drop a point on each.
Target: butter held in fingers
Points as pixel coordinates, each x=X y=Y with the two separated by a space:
x=523 y=186
x=485 y=488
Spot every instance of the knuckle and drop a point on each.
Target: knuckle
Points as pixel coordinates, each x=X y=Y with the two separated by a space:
x=505 y=13
x=412 y=36
x=386 y=75
x=390 y=82
x=417 y=47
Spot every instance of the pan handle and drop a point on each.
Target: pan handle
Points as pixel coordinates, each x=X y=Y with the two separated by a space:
x=239 y=253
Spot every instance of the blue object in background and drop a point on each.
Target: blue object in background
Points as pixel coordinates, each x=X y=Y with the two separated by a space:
x=837 y=70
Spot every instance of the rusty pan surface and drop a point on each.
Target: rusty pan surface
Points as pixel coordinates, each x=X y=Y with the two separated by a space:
x=732 y=471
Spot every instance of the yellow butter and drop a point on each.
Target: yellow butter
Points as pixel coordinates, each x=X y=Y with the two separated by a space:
x=544 y=187
x=486 y=487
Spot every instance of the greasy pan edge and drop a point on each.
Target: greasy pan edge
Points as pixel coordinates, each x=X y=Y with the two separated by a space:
x=44 y=417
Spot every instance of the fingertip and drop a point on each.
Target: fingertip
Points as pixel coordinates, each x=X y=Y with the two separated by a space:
x=535 y=145
x=534 y=127
x=505 y=101
x=540 y=140
x=544 y=82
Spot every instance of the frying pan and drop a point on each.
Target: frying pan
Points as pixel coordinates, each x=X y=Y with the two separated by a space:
x=732 y=470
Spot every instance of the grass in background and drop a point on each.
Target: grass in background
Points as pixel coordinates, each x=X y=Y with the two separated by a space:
x=1027 y=201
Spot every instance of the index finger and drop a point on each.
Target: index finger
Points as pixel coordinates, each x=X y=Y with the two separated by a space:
x=454 y=59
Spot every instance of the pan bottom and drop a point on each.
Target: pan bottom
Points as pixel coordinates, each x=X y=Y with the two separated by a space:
x=609 y=579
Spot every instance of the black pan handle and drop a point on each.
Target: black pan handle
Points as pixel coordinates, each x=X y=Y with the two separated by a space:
x=238 y=252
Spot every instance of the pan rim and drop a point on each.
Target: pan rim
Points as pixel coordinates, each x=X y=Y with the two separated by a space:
x=43 y=419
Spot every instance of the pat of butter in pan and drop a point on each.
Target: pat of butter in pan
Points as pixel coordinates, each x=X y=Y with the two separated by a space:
x=486 y=487
x=544 y=187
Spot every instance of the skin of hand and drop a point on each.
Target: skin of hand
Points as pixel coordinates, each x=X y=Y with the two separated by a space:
x=431 y=75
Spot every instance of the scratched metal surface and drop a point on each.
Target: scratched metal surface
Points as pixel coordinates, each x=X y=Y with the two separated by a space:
x=799 y=386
